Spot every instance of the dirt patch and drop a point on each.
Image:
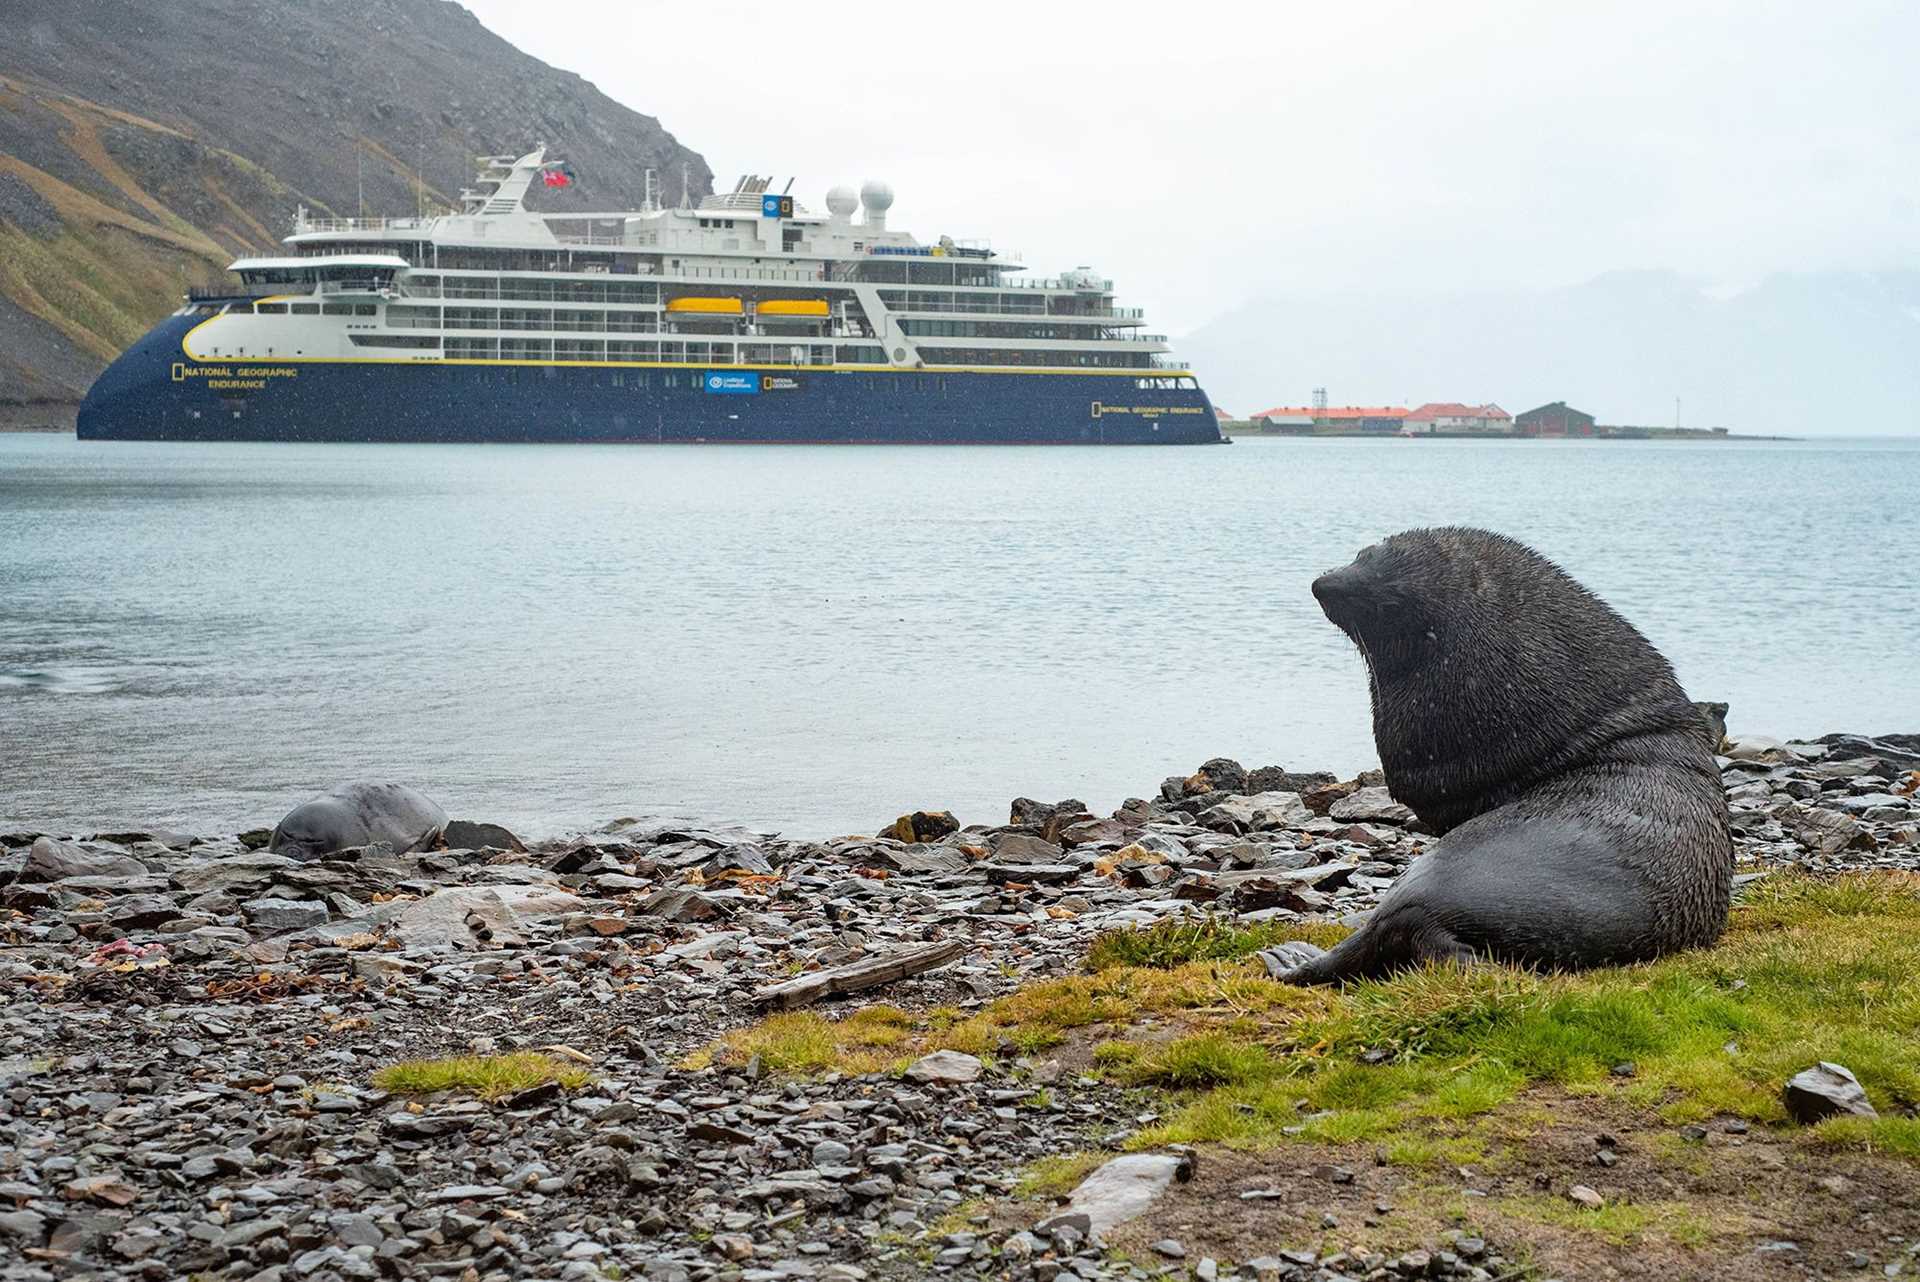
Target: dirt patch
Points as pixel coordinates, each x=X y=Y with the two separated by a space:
x=1678 y=1204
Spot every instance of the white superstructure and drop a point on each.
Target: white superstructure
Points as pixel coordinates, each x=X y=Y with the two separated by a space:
x=748 y=278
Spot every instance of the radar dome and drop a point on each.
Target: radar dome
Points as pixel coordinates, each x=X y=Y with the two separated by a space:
x=876 y=196
x=841 y=202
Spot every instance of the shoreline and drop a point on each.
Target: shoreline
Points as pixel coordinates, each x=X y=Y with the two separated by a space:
x=225 y=1018
x=1243 y=429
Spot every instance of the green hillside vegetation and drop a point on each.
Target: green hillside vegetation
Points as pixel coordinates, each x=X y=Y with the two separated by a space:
x=134 y=164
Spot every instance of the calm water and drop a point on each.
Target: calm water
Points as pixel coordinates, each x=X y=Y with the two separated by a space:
x=819 y=638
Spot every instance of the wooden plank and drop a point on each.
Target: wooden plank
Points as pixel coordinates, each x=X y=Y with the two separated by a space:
x=868 y=972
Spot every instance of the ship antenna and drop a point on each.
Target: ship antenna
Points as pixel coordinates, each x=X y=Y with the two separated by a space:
x=360 y=179
x=686 y=186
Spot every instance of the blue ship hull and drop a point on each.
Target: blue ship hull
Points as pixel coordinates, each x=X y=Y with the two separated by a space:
x=154 y=392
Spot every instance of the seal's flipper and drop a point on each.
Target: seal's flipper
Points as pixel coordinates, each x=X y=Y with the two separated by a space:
x=1391 y=941
x=1283 y=958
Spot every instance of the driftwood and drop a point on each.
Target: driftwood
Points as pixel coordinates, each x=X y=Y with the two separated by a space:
x=865 y=973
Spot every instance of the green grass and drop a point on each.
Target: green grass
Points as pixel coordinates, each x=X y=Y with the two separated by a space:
x=1057 y=1176
x=488 y=1076
x=1809 y=970
x=1426 y=1061
x=1618 y=1223
x=1169 y=944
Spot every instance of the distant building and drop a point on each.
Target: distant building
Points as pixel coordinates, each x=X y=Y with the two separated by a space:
x=1453 y=417
x=1365 y=418
x=1556 y=419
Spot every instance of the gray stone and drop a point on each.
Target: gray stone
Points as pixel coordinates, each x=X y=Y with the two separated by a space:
x=1122 y=1190
x=467 y=916
x=1759 y=748
x=51 y=860
x=1263 y=811
x=241 y=872
x=285 y=914
x=1826 y=1090
x=945 y=1068
x=1020 y=848
x=1375 y=805
x=467 y=834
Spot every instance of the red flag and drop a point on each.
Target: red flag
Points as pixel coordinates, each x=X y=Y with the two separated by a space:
x=554 y=178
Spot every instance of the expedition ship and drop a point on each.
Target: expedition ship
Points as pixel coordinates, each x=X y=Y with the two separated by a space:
x=743 y=318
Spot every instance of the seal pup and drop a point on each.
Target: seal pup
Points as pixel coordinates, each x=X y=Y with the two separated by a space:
x=357 y=814
x=1581 y=816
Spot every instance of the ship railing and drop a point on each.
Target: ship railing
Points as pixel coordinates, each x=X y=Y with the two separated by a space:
x=1037 y=308
x=608 y=239
x=490 y=291
x=356 y=285
x=304 y=225
x=802 y=275
x=209 y=293
x=1081 y=283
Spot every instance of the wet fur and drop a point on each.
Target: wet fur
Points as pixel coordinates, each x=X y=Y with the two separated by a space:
x=358 y=814
x=1517 y=715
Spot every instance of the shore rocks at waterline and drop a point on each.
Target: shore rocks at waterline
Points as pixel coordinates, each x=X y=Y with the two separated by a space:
x=190 y=1027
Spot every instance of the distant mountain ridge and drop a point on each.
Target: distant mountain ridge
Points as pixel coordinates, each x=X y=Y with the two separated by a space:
x=143 y=147
x=1801 y=353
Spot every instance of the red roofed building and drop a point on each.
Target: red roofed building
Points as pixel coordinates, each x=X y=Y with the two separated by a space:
x=1452 y=416
x=1368 y=418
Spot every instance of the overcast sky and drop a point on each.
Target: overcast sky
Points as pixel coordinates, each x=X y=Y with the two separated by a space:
x=1205 y=152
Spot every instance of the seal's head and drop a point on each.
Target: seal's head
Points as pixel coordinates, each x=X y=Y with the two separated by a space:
x=1490 y=669
x=1400 y=598
x=310 y=830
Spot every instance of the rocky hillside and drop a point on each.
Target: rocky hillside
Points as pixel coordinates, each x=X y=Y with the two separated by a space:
x=142 y=147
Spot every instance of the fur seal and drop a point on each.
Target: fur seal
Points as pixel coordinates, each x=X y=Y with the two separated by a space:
x=357 y=814
x=1582 y=818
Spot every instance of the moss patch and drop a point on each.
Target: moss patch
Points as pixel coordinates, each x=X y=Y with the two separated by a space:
x=488 y=1076
x=1809 y=969
x=1170 y=944
x=1441 y=1064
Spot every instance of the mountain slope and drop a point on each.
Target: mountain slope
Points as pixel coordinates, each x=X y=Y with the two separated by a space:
x=1822 y=352
x=143 y=147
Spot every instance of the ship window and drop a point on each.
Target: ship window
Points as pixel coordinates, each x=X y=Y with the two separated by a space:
x=270 y=309
x=306 y=309
x=337 y=309
x=365 y=309
x=395 y=340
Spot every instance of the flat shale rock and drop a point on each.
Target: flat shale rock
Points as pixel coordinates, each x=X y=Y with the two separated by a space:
x=945 y=1068
x=1826 y=1090
x=1121 y=1190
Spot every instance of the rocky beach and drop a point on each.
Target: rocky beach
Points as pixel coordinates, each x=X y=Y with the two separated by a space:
x=205 y=1050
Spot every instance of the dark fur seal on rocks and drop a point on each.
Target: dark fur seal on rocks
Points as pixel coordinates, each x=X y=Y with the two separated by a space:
x=357 y=814
x=1583 y=818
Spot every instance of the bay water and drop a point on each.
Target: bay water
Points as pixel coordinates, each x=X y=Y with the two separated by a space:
x=816 y=639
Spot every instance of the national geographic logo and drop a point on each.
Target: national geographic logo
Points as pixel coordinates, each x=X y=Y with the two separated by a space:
x=221 y=377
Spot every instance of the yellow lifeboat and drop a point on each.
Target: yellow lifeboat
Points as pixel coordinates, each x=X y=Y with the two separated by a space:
x=803 y=307
x=705 y=306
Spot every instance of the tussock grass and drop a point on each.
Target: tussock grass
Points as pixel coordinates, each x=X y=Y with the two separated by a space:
x=488 y=1076
x=1809 y=969
x=1436 y=1063
x=1170 y=944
